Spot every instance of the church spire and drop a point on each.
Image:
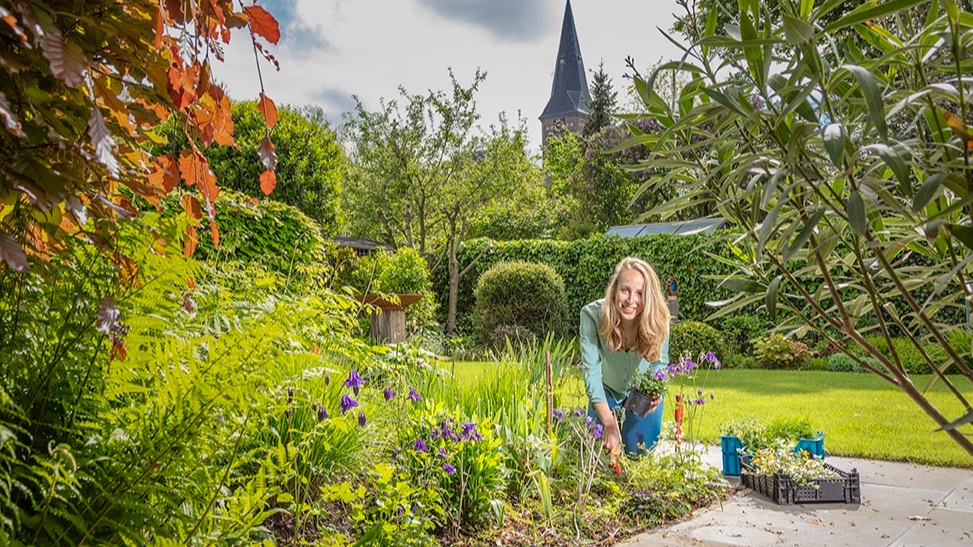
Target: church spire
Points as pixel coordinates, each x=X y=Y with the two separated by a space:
x=568 y=104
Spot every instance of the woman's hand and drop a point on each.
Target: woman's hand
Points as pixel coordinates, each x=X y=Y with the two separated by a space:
x=611 y=437
x=654 y=404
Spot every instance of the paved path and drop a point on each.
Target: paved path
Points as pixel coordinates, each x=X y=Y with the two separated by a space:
x=902 y=504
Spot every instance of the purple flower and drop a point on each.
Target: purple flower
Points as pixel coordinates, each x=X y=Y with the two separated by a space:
x=710 y=357
x=421 y=446
x=395 y=453
x=289 y=412
x=322 y=413
x=558 y=415
x=347 y=403
x=443 y=453
x=699 y=392
x=700 y=401
x=577 y=413
x=690 y=365
x=362 y=420
x=470 y=432
x=589 y=421
x=389 y=394
x=659 y=374
x=354 y=381
x=596 y=433
x=449 y=468
x=290 y=395
x=414 y=395
x=446 y=432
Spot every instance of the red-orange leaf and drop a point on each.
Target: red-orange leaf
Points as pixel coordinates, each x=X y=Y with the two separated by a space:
x=958 y=127
x=215 y=232
x=192 y=240
x=193 y=209
x=207 y=186
x=269 y=109
x=268 y=181
x=190 y=167
x=160 y=28
x=165 y=176
x=262 y=23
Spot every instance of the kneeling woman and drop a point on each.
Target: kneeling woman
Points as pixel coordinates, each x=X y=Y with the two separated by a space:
x=625 y=333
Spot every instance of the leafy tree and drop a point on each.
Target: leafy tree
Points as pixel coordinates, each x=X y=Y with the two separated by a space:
x=84 y=84
x=310 y=161
x=802 y=154
x=420 y=169
x=602 y=104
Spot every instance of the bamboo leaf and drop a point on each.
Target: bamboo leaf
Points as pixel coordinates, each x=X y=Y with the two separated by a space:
x=835 y=136
x=797 y=31
x=873 y=98
x=896 y=163
x=867 y=12
x=856 y=213
x=771 y=300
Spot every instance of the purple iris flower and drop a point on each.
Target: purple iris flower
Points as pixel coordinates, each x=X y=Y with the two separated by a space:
x=354 y=381
x=449 y=468
x=389 y=394
x=558 y=415
x=414 y=395
x=596 y=433
x=362 y=420
x=577 y=413
x=347 y=403
x=421 y=446
x=446 y=432
x=322 y=413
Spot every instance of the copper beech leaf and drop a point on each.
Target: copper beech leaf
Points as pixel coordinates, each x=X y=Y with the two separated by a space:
x=165 y=175
x=66 y=59
x=268 y=181
x=262 y=23
x=215 y=232
x=265 y=150
x=12 y=254
x=191 y=242
x=190 y=166
x=193 y=209
x=269 y=110
x=103 y=142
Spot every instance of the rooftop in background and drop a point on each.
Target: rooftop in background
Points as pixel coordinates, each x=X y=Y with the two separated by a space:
x=361 y=245
x=683 y=227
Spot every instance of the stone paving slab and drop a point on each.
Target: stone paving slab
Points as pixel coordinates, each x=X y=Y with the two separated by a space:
x=902 y=505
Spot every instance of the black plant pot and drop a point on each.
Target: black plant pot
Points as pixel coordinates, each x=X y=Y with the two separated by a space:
x=638 y=403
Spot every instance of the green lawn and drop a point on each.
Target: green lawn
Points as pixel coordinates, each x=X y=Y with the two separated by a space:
x=860 y=414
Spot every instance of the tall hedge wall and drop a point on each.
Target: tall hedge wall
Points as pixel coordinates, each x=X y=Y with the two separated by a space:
x=587 y=264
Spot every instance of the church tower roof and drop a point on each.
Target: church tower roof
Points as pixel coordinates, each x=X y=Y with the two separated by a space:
x=569 y=94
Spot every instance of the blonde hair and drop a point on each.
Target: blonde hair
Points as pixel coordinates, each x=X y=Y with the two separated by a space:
x=653 y=323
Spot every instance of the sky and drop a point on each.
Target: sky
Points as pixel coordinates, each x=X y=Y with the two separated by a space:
x=331 y=50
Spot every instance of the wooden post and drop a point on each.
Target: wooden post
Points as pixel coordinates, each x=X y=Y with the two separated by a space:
x=549 y=381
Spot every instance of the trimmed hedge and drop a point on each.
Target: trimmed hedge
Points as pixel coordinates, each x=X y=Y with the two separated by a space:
x=586 y=265
x=694 y=338
x=519 y=299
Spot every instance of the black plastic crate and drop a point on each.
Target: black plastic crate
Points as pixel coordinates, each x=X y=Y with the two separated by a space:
x=782 y=489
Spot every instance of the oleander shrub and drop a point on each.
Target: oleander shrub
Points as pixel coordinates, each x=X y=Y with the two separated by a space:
x=780 y=353
x=520 y=295
x=694 y=338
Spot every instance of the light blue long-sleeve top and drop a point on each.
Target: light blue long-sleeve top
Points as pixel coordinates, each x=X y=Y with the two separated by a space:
x=606 y=370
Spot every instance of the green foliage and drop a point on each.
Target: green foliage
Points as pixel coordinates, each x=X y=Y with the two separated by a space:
x=602 y=103
x=840 y=362
x=274 y=235
x=829 y=162
x=585 y=265
x=520 y=295
x=662 y=487
x=694 y=338
x=457 y=457
x=310 y=161
x=739 y=331
x=904 y=351
x=400 y=272
x=779 y=352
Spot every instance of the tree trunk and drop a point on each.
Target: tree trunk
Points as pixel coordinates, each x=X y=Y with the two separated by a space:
x=454 y=277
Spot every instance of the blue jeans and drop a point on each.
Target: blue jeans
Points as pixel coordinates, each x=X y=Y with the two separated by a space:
x=635 y=430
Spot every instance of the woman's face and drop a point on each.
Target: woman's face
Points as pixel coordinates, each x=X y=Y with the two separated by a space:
x=630 y=295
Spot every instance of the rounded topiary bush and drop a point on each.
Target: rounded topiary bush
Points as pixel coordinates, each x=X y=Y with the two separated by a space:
x=693 y=338
x=518 y=297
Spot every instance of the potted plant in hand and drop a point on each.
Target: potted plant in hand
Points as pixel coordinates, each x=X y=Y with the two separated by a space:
x=646 y=387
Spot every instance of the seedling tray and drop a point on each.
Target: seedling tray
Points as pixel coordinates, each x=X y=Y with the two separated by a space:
x=784 y=490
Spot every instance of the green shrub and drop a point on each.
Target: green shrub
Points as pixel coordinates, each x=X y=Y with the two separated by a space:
x=839 y=362
x=740 y=361
x=694 y=337
x=277 y=236
x=739 y=332
x=522 y=295
x=403 y=272
x=791 y=429
x=816 y=363
x=911 y=358
x=780 y=353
